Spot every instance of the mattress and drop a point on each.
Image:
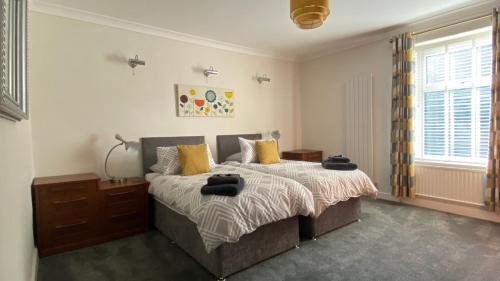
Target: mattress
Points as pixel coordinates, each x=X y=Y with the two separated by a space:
x=327 y=186
x=265 y=199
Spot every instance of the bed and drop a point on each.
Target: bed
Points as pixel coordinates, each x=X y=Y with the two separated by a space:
x=336 y=193
x=208 y=248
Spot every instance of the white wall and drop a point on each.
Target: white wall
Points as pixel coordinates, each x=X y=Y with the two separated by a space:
x=83 y=92
x=322 y=87
x=16 y=175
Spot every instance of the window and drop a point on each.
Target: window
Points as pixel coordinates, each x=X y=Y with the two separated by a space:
x=453 y=98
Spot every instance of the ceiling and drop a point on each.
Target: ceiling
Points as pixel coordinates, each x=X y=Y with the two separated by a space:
x=265 y=24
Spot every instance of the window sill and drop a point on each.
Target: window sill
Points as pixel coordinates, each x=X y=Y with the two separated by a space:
x=451 y=165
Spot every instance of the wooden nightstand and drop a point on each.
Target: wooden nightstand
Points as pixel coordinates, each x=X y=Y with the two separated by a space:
x=76 y=211
x=303 y=155
x=124 y=207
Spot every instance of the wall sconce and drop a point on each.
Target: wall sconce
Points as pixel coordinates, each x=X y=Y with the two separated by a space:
x=210 y=71
x=133 y=62
x=263 y=78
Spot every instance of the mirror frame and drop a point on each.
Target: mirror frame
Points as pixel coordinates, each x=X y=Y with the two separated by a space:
x=13 y=60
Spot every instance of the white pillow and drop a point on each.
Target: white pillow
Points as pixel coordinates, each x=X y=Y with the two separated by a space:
x=156 y=168
x=168 y=161
x=211 y=161
x=248 y=151
x=234 y=157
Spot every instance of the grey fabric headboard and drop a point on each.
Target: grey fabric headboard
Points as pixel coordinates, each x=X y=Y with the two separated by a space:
x=149 y=146
x=229 y=144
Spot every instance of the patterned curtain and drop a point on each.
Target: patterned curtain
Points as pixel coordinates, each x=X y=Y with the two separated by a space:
x=493 y=184
x=402 y=135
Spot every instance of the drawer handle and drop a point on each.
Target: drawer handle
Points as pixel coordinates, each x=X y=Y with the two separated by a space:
x=61 y=226
x=57 y=202
x=66 y=188
x=123 y=215
x=121 y=193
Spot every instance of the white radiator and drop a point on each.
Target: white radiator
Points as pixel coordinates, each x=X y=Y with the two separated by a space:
x=450 y=183
x=359 y=122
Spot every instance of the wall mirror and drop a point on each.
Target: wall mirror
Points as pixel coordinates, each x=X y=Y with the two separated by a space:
x=13 y=69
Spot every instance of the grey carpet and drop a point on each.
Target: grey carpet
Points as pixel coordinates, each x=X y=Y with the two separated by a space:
x=392 y=242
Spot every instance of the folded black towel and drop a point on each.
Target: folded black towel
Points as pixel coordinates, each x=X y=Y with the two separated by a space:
x=339 y=166
x=223 y=179
x=229 y=189
x=338 y=159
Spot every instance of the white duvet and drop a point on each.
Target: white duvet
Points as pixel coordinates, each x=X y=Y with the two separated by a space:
x=265 y=199
x=327 y=186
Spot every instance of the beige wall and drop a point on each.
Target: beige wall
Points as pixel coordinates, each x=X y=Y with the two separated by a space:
x=83 y=93
x=322 y=87
x=16 y=174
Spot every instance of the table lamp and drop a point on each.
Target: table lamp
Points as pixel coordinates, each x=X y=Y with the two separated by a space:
x=127 y=144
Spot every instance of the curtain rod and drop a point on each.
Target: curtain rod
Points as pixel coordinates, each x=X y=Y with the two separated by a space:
x=449 y=25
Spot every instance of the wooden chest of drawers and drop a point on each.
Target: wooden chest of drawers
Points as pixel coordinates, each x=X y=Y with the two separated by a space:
x=303 y=155
x=75 y=211
x=124 y=207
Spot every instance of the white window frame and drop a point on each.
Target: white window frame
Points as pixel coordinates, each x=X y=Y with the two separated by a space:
x=478 y=38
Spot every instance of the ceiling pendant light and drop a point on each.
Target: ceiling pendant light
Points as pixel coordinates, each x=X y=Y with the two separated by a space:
x=309 y=14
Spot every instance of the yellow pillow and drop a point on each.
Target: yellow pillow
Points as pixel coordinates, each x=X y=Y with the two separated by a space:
x=194 y=159
x=267 y=150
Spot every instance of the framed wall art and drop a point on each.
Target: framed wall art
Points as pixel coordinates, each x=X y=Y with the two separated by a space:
x=201 y=101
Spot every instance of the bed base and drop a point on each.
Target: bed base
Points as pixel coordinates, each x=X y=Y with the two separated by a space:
x=338 y=215
x=265 y=242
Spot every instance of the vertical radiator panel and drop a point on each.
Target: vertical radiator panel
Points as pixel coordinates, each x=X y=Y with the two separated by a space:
x=359 y=122
x=452 y=184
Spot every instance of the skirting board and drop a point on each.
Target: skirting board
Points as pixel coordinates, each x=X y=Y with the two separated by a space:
x=34 y=265
x=443 y=206
x=387 y=197
x=453 y=208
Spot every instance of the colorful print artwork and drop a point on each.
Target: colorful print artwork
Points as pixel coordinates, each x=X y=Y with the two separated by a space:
x=199 y=101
